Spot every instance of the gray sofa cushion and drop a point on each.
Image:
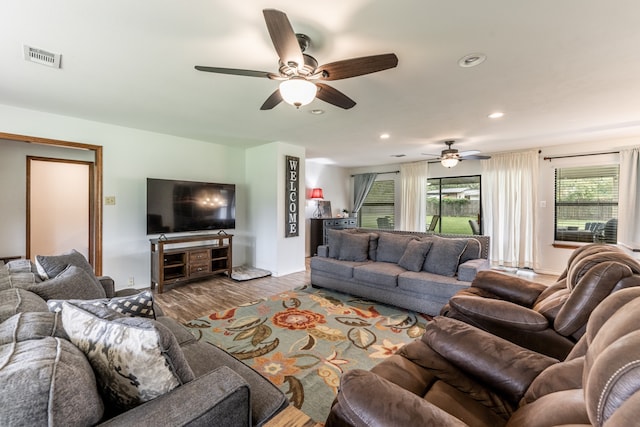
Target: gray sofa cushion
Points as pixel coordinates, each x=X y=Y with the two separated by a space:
x=47 y=381
x=438 y=288
x=444 y=256
x=31 y=325
x=353 y=247
x=335 y=267
x=378 y=273
x=14 y=301
x=71 y=283
x=135 y=359
x=414 y=255
x=391 y=246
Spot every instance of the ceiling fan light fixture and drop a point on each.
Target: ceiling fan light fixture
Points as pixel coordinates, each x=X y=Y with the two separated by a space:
x=298 y=91
x=449 y=162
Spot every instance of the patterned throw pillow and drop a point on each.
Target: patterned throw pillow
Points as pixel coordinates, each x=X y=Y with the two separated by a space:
x=139 y=305
x=135 y=359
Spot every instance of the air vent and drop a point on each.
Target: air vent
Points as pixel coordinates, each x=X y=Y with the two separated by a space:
x=42 y=57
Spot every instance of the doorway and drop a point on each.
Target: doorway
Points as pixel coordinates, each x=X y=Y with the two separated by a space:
x=95 y=252
x=59 y=216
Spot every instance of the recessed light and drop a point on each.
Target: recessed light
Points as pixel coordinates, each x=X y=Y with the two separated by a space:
x=496 y=115
x=316 y=111
x=398 y=155
x=472 y=59
x=384 y=136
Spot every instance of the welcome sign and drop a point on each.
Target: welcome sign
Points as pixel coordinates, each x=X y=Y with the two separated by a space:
x=292 y=193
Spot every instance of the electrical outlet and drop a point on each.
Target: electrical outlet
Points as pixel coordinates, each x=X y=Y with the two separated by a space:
x=132 y=282
x=110 y=200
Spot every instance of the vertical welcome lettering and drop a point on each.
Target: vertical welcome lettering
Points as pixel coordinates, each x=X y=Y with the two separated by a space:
x=292 y=184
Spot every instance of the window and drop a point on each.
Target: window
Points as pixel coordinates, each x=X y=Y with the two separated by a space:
x=378 y=208
x=586 y=204
x=457 y=200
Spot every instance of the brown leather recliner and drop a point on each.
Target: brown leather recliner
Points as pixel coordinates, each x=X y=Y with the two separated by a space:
x=546 y=319
x=459 y=375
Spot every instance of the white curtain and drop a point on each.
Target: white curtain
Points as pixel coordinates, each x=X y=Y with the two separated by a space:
x=628 y=200
x=413 y=197
x=509 y=193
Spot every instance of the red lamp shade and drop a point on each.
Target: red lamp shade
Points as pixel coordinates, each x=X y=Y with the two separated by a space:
x=316 y=193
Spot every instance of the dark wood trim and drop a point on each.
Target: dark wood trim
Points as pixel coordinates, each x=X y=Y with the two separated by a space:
x=97 y=187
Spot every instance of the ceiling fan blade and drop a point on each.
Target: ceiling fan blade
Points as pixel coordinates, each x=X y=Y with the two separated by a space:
x=283 y=37
x=358 y=66
x=334 y=96
x=475 y=157
x=273 y=100
x=234 y=71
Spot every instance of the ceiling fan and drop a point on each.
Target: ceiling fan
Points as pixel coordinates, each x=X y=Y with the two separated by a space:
x=450 y=156
x=299 y=73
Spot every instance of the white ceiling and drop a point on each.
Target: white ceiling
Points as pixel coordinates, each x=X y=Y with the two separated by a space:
x=563 y=71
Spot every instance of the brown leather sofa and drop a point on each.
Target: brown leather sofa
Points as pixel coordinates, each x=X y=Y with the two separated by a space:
x=459 y=375
x=548 y=320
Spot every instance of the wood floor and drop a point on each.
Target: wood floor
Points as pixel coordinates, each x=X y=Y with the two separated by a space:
x=189 y=301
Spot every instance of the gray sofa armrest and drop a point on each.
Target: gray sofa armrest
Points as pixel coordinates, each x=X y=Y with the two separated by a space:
x=220 y=397
x=467 y=270
x=109 y=285
x=323 y=251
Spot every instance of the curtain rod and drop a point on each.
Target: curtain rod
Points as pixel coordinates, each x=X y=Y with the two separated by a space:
x=379 y=173
x=579 y=155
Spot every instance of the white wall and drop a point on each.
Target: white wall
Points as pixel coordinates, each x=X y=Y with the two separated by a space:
x=130 y=156
x=265 y=170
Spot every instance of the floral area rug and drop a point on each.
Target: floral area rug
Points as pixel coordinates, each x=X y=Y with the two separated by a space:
x=303 y=340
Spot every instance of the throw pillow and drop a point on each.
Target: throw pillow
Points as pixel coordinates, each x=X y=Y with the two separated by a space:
x=135 y=359
x=414 y=255
x=444 y=256
x=334 y=240
x=354 y=247
x=139 y=305
x=72 y=283
x=472 y=251
x=50 y=266
x=391 y=246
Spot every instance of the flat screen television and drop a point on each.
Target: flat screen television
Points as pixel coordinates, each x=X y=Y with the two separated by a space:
x=180 y=206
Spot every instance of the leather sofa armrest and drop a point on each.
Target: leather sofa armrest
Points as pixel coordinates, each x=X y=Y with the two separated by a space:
x=510 y=288
x=323 y=251
x=467 y=271
x=393 y=406
x=498 y=312
x=505 y=367
x=219 y=397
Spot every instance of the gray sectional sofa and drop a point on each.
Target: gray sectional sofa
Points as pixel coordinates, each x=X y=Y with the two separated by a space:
x=90 y=364
x=417 y=271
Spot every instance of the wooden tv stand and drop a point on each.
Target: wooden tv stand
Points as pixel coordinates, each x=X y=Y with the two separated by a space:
x=175 y=259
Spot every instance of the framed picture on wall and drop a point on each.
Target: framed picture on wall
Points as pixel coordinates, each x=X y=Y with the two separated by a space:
x=325 y=208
